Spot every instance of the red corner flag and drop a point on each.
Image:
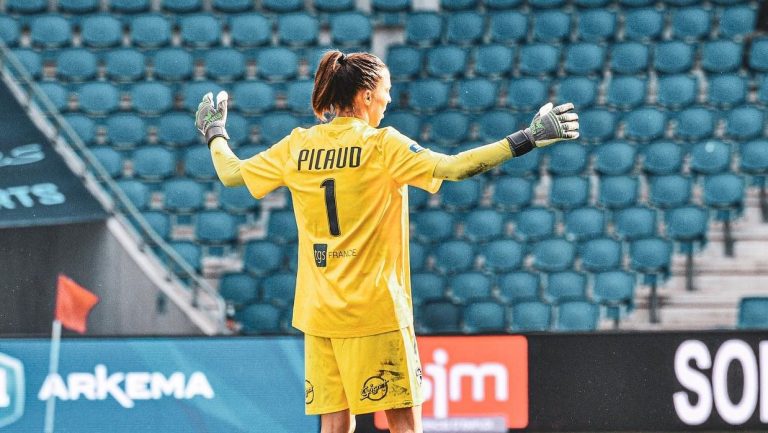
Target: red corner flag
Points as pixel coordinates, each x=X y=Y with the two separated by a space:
x=73 y=304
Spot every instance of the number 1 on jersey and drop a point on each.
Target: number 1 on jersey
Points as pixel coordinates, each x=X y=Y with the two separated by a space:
x=330 y=206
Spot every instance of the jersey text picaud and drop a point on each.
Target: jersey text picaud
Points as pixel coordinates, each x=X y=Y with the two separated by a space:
x=329 y=159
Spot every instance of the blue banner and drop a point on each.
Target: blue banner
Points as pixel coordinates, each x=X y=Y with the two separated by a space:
x=188 y=385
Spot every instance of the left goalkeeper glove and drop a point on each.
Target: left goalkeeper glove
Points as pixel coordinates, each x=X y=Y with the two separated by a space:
x=548 y=126
x=211 y=120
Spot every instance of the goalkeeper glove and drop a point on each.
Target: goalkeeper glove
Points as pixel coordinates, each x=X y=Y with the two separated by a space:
x=211 y=119
x=550 y=125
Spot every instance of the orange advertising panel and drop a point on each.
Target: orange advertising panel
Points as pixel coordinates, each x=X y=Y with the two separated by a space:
x=478 y=379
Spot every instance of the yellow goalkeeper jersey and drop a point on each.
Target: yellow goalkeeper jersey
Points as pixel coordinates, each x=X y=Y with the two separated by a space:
x=348 y=182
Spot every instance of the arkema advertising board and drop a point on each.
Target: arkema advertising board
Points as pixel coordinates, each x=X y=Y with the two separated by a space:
x=182 y=385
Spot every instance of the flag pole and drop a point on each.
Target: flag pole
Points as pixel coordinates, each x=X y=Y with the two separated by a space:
x=53 y=368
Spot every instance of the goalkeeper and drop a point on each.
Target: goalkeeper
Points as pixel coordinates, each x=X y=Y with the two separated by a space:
x=348 y=180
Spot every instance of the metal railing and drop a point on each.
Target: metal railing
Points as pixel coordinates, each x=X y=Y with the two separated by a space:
x=118 y=203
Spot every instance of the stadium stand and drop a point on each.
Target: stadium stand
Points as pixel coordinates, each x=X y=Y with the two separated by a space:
x=672 y=139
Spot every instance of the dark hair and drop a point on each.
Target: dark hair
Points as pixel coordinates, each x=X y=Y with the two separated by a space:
x=339 y=77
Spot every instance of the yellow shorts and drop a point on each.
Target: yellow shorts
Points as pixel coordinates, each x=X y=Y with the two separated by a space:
x=362 y=374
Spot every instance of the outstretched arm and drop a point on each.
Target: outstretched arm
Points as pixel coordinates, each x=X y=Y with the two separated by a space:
x=226 y=163
x=550 y=125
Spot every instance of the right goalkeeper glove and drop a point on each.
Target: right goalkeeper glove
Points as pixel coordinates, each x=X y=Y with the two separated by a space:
x=211 y=120
x=550 y=125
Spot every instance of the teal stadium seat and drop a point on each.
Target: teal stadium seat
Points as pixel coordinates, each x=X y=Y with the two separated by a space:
x=237 y=200
x=565 y=286
x=263 y=257
x=584 y=58
x=277 y=63
x=569 y=192
x=433 y=225
x=190 y=252
x=687 y=225
x=677 y=91
x=651 y=257
x=449 y=127
x=417 y=198
x=526 y=94
x=691 y=23
x=26 y=6
x=710 y=157
x=298 y=29
x=128 y=6
x=279 y=289
x=477 y=94
x=618 y=192
x=695 y=123
x=198 y=164
x=727 y=90
x=173 y=64
x=567 y=159
x=76 y=64
x=150 y=31
x=198 y=31
x=182 y=195
x=298 y=96
x=670 y=191
x=634 y=223
x=50 y=31
x=644 y=124
x=282 y=6
x=10 y=31
x=584 y=223
x=101 y=31
x=181 y=6
x=484 y=317
x=596 y=25
x=239 y=288
x=512 y=193
x=597 y=125
x=629 y=58
x=224 y=64
x=673 y=57
x=462 y=195
x=531 y=316
x=153 y=98
x=215 y=227
x=351 y=29
x=423 y=28
x=275 y=126
x=533 y=224
x=153 y=163
x=581 y=91
x=519 y=286
x=481 y=225
x=577 y=316
x=464 y=28
x=626 y=92
x=725 y=194
x=281 y=227
x=173 y=130
x=507 y=27
x=30 y=60
x=160 y=222
x=502 y=255
x=600 y=254
x=754 y=159
x=404 y=61
x=260 y=319
x=84 y=127
x=232 y=6
x=737 y=21
x=418 y=256
x=250 y=30
x=494 y=124
x=539 y=59
x=57 y=94
x=744 y=123
x=452 y=257
x=616 y=291
x=405 y=122
x=721 y=56
x=446 y=61
x=437 y=317
x=110 y=159
x=125 y=130
x=136 y=192
x=553 y=255
x=98 y=98
x=428 y=95
x=753 y=313
x=124 y=65
x=643 y=24
x=614 y=158
x=494 y=60
x=470 y=286
x=426 y=287
x=663 y=158
x=253 y=97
